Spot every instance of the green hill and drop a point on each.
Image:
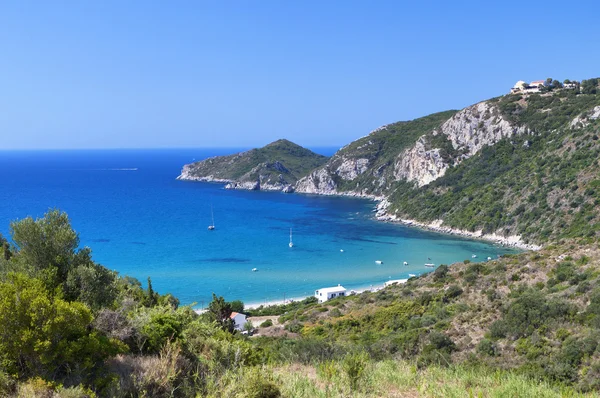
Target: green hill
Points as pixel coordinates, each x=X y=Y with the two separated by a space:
x=520 y=165
x=276 y=166
x=542 y=184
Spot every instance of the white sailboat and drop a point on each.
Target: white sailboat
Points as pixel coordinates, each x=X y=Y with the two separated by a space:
x=212 y=216
x=291 y=244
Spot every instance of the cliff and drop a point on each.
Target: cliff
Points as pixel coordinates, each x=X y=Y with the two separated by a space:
x=275 y=167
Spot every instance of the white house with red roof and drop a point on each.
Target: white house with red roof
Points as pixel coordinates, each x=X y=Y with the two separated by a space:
x=239 y=320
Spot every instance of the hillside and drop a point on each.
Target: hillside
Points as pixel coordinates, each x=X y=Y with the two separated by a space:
x=524 y=325
x=536 y=313
x=520 y=167
x=367 y=166
x=276 y=166
x=541 y=184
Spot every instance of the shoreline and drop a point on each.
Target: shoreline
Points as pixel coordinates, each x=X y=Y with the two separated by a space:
x=271 y=303
x=382 y=215
x=253 y=306
x=437 y=226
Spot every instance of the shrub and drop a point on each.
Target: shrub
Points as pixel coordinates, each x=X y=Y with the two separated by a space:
x=266 y=323
x=487 y=347
x=259 y=384
x=452 y=292
x=440 y=273
x=498 y=329
x=354 y=366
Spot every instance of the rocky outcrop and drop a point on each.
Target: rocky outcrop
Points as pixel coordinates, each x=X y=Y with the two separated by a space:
x=427 y=159
x=468 y=132
x=349 y=169
x=585 y=118
x=420 y=164
x=319 y=182
x=477 y=126
x=188 y=174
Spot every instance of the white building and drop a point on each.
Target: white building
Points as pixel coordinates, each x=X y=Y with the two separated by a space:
x=327 y=293
x=239 y=320
x=533 y=87
x=519 y=86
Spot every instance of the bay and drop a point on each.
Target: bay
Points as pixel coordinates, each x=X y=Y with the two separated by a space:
x=140 y=221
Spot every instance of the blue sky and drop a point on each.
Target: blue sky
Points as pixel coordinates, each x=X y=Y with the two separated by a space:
x=156 y=74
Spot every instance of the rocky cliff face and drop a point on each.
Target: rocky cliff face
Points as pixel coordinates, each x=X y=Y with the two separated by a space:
x=586 y=118
x=420 y=164
x=468 y=132
x=426 y=159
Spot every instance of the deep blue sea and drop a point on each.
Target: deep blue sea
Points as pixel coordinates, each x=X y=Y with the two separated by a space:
x=140 y=221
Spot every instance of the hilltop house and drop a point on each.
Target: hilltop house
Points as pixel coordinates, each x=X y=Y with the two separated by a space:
x=327 y=293
x=239 y=320
x=533 y=87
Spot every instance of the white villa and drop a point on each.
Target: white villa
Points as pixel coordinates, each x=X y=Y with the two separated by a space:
x=533 y=87
x=327 y=293
x=239 y=320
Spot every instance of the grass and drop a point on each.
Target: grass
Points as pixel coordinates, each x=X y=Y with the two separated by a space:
x=392 y=378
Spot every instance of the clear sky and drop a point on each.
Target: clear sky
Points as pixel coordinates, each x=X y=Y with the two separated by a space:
x=155 y=74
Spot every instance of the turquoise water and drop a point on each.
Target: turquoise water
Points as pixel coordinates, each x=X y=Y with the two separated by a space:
x=140 y=221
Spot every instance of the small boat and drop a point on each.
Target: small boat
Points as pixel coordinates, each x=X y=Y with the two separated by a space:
x=430 y=265
x=405 y=263
x=291 y=244
x=412 y=275
x=212 y=216
x=254 y=269
x=489 y=258
x=474 y=256
x=341 y=250
x=378 y=262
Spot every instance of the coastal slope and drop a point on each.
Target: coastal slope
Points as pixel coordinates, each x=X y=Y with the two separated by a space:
x=520 y=169
x=274 y=167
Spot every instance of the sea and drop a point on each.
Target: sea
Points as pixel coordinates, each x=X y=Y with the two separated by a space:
x=139 y=220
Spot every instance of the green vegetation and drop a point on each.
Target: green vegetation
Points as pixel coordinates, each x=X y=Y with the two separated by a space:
x=524 y=325
x=266 y=164
x=541 y=185
x=468 y=327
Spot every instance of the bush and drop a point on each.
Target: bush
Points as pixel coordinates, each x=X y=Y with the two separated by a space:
x=487 y=347
x=498 y=329
x=452 y=292
x=440 y=273
x=266 y=323
x=354 y=366
x=259 y=384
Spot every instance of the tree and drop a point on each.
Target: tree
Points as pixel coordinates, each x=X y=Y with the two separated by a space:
x=47 y=243
x=5 y=248
x=46 y=335
x=220 y=311
x=237 y=306
x=91 y=284
x=589 y=86
x=151 y=298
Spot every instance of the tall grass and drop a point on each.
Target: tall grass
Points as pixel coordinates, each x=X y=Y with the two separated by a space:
x=403 y=379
